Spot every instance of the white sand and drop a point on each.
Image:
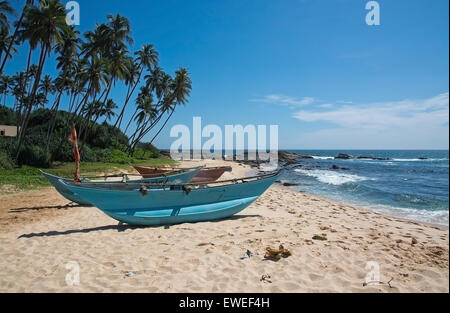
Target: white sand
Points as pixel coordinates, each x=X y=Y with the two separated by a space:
x=37 y=243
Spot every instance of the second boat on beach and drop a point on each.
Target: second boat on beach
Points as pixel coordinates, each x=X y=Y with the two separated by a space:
x=205 y=175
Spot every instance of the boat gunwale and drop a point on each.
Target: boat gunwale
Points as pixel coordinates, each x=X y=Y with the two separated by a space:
x=228 y=168
x=171 y=173
x=164 y=186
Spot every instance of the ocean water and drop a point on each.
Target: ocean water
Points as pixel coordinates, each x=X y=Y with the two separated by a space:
x=404 y=186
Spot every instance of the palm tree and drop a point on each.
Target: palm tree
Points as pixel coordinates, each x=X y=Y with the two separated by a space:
x=19 y=89
x=145 y=92
x=117 y=68
x=48 y=23
x=106 y=110
x=68 y=51
x=4 y=43
x=95 y=76
x=146 y=113
x=5 y=10
x=5 y=82
x=118 y=32
x=147 y=58
x=46 y=86
x=95 y=42
x=161 y=83
x=28 y=3
x=181 y=88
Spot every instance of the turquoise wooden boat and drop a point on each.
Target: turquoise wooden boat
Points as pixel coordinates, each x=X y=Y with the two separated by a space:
x=147 y=204
x=175 y=177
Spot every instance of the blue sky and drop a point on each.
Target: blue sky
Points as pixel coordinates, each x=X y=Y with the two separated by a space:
x=315 y=68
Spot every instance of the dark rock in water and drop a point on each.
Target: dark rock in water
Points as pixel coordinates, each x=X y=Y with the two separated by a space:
x=344 y=156
x=335 y=167
x=364 y=157
x=422 y=158
x=369 y=157
x=290 y=162
x=290 y=184
x=285 y=156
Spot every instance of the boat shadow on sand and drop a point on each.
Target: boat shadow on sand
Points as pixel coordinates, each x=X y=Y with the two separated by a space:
x=45 y=207
x=120 y=227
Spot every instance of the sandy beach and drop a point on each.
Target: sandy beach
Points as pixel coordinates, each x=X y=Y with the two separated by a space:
x=41 y=238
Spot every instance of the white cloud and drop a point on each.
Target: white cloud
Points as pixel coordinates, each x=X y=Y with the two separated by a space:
x=285 y=100
x=326 y=105
x=401 y=124
x=384 y=115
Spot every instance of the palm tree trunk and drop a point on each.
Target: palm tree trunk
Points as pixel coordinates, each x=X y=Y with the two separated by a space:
x=88 y=117
x=129 y=122
x=120 y=117
x=51 y=126
x=33 y=95
x=24 y=89
x=168 y=118
x=13 y=38
x=144 y=131
x=123 y=108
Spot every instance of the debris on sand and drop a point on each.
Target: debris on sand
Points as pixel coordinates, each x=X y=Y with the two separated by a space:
x=247 y=255
x=277 y=254
x=265 y=278
x=319 y=237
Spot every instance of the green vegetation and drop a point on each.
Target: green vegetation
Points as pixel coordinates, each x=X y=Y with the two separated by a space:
x=28 y=177
x=90 y=66
x=106 y=144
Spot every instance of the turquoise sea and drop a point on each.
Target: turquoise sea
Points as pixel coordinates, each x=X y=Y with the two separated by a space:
x=412 y=184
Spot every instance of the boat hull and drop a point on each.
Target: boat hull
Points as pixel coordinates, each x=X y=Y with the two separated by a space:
x=205 y=174
x=188 y=214
x=138 y=207
x=148 y=172
x=57 y=182
x=63 y=191
x=210 y=174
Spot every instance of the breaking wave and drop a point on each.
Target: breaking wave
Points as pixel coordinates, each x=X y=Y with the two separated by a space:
x=332 y=178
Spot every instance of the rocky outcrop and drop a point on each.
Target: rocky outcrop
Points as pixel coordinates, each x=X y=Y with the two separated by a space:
x=344 y=156
x=372 y=158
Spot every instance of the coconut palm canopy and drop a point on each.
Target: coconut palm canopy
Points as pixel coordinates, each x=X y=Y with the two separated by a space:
x=90 y=65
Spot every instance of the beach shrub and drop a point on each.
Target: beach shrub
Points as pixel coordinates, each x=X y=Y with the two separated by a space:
x=7 y=116
x=8 y=145
x=115 y=156
x=35 y=156
x=61 y=151
x=145 y=150
x=6 y=162
x=86 y=153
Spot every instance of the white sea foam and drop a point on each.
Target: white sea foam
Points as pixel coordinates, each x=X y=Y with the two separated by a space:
x=318 y=157
x=418 y=160
x=331 y=177
x=434 y=217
